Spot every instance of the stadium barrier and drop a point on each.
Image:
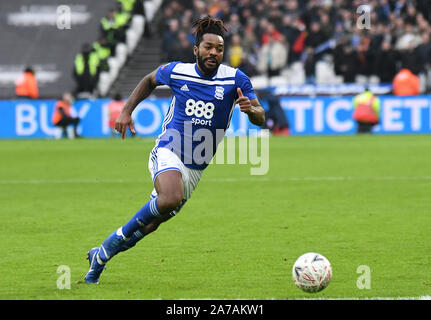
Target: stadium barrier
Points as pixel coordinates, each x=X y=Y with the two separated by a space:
x=307 y=116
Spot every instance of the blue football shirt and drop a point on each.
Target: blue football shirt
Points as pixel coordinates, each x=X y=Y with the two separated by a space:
x=200 y=110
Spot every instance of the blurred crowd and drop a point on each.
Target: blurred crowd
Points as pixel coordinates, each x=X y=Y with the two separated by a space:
x=93 y=58
x=266 y=36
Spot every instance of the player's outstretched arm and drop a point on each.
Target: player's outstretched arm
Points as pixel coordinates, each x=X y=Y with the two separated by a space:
x=141 y=92
x=255 y=112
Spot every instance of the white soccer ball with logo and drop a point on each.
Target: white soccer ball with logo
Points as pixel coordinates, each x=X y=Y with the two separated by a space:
x=312 y=272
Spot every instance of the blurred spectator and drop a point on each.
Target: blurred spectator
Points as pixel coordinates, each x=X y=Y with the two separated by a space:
x=183 y=50
x=326 y=26
x=62 y=116
x=410 y=15
x=122 y=15
x=122 y=22
x=310 y=12
x=275 y=15
x=187 y=29
x=246 y=15
x=408 y=38
x=271 y=33
x=383 y=10
x=248 y=65
x=299 y=44
x=364 y=56
x=272 y=56
x=114 y=25
x=275 y=118
x=346 y=61
x=200 y=9
x=108 y=29
x=234 y=26
x=127 y=5
x=410 y=58
x=163 y=24
x=317 y=24
x=103 y=51
x=424 y=7
x=226 y=10
x=170 y=38
x=315 y=36
x=422 y=24
x=309 y=62
x=250 y=46
x=86 y=70
x=366 y=111
x=133 y=6
x=260 y=28
x=235 y=52
x=399 y=7
x=406 y=83
x=385 y=62
x=424 y=56
x=214 y=8
x=249 y=42
x=26 y=85
x=292 y=7
x=424 y=50
x=288 y=30
x=376 y=36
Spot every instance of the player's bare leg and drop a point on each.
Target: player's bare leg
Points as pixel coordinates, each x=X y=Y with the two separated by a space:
x=170 y=191
x=154 y=225
x=169 y=187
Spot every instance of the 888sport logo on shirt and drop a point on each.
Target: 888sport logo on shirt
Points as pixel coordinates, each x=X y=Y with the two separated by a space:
x=202 y=112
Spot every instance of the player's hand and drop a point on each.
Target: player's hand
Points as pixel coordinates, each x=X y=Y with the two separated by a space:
x=244 y=102
x=123 y=121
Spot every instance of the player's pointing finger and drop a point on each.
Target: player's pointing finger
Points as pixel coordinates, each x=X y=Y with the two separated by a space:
x=239 y=92
x=132 y=127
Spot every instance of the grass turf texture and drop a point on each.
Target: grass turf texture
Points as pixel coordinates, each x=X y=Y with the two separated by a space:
x=358 y=200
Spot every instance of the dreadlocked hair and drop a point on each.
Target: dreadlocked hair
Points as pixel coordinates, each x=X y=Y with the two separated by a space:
x=208 y=25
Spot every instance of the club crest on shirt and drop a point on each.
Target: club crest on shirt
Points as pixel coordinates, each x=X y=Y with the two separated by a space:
x=219 y=93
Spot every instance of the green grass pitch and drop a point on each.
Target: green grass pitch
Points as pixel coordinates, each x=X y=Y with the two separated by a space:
x=358 y=200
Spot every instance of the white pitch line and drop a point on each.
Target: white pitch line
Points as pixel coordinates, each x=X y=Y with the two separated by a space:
x=240 y=179
x=69 y=181
x=341 y=178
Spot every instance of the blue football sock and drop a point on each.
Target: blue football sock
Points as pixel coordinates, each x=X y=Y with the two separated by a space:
x=133 y=240
x=143 y=217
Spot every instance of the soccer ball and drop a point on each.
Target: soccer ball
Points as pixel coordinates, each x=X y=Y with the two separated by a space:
x=311 y=272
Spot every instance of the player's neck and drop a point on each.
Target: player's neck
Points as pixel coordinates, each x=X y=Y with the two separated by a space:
x=203 y=73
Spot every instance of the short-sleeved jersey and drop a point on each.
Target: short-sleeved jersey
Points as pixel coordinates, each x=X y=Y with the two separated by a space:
x=200 y=110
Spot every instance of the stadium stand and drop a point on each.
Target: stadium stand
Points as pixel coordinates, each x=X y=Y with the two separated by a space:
x=397 y=36
x=123 y=50
x=323 y=44
x=31 y=35
x=49 y=36
x=144 y=55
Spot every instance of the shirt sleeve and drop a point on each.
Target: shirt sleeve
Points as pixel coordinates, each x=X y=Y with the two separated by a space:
x=163 y=75
x=243 y=82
